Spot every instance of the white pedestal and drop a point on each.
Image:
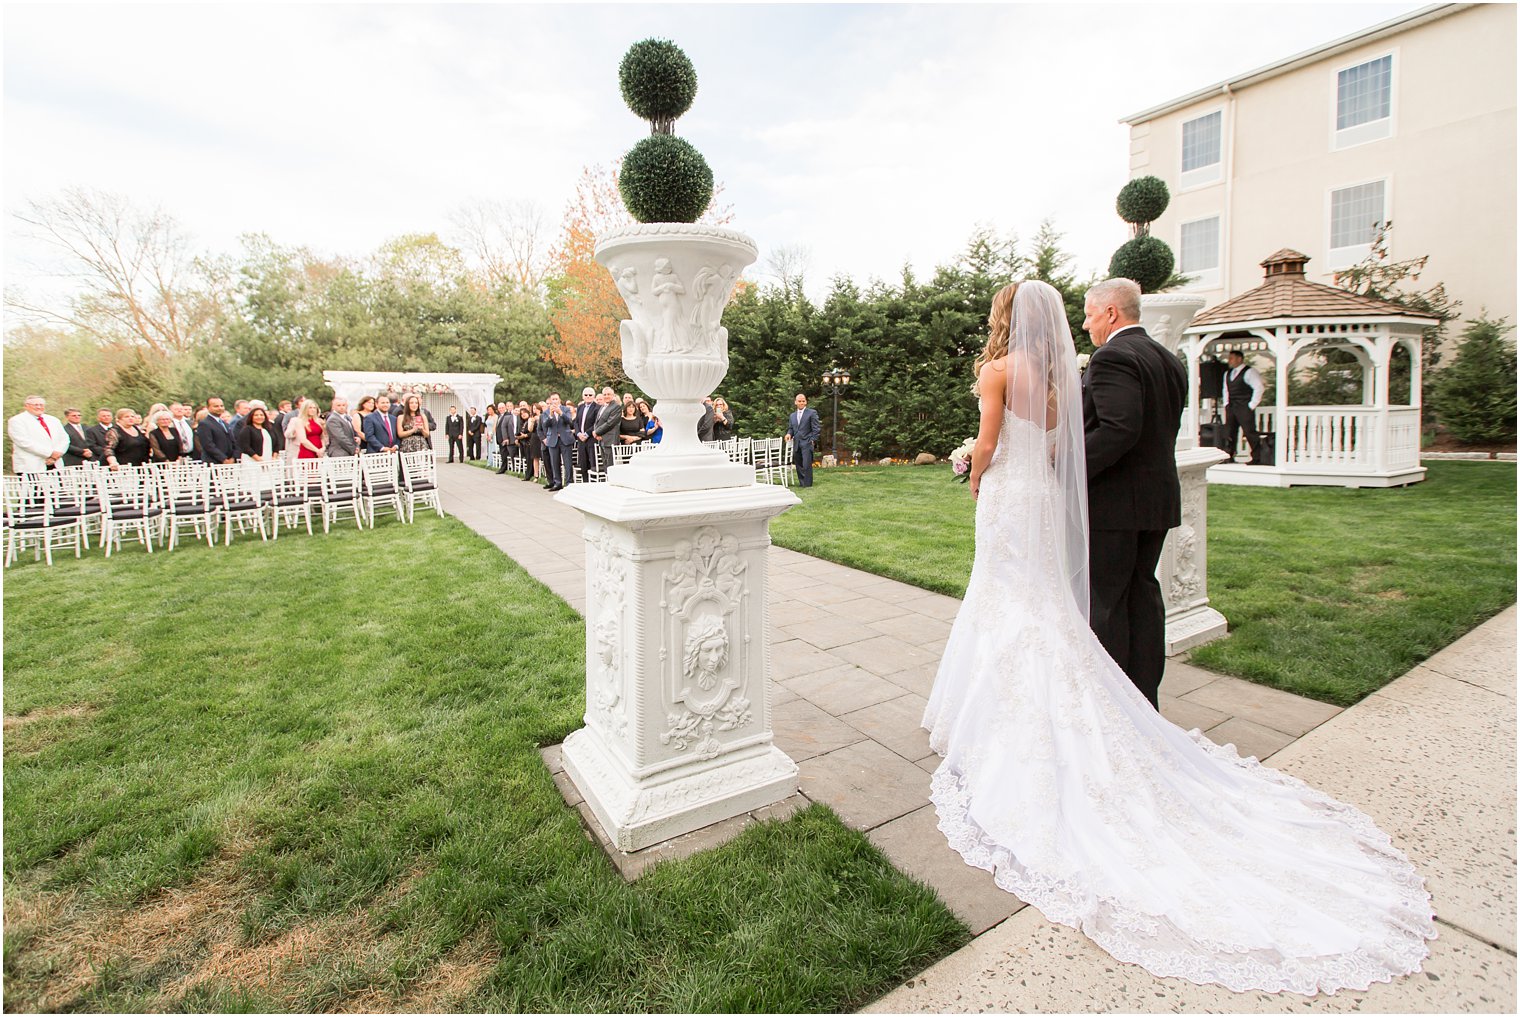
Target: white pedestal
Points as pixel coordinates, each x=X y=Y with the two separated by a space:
x=1183 y=571
x=678 y=717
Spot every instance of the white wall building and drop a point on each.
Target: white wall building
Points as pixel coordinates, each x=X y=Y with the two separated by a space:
x=1411 y=121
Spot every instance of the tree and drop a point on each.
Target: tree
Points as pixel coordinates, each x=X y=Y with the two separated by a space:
x=507 y=241
x=139 y=286
x=1475 y=396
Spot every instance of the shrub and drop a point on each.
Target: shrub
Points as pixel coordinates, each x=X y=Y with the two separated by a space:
x=1475 y=396
x=1141 y=202
x=1147 y=260
x=665 y=179
x=658 y=82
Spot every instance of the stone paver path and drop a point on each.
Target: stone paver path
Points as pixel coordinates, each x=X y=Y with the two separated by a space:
x=853 y=659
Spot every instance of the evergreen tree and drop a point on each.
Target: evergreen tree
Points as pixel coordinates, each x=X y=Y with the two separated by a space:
x=1475 y=396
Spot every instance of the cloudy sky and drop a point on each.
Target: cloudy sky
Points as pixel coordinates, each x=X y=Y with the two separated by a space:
x=871 y=135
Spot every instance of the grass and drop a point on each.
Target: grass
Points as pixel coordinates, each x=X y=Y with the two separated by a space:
x=304 y=776
x=1330 y=593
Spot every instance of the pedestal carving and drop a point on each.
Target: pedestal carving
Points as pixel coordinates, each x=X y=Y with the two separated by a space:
x=1184 y=566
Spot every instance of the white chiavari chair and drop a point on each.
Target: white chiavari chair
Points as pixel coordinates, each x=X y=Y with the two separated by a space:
x=297 y=484
x=187 y=500
x=419 y=479
x=129 y=502
x=238 y=490
x=380 y=486
x=29 y=500
x=340 y=489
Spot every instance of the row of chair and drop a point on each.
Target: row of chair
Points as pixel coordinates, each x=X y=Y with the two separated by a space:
x=60 y=507
x=771 y=457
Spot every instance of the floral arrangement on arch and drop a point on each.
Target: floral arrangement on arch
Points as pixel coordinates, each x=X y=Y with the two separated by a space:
x=437 y=388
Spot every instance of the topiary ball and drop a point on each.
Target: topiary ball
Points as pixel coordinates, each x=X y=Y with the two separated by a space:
x=665 y=179
x=658 y=80
x=1143 y=200
x=1146 y=260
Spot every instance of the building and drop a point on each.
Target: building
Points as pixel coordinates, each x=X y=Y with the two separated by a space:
x=1411 y=121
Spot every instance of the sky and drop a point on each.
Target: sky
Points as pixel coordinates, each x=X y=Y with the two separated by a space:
x=868 y=136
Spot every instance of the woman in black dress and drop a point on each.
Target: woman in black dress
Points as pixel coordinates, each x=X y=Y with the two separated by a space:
x=126 y=444
x=723 y=420
x=631 y=427
x=528 y=441
x=164 y=444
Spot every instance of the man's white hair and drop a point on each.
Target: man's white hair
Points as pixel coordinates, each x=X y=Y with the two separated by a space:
x=1123 y=294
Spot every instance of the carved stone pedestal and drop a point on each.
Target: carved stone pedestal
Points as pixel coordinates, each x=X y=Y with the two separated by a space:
x=1183 y=570
x=678 y=720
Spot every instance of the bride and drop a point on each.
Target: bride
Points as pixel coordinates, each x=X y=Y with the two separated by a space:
x=1167 y=850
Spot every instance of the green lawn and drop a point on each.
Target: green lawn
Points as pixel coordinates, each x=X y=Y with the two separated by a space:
x=1330 y=593
x=304 y=776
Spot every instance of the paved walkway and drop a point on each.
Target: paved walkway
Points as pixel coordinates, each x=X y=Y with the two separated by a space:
x=1431 y=757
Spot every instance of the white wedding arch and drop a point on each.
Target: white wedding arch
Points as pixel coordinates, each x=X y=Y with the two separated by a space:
x=439 y=391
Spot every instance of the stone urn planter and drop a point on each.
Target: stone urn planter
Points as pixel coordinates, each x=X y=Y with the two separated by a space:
x=1165 y=315
x=676 y=278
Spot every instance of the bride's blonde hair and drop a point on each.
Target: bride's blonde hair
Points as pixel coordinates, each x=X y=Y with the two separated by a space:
x=999 y=326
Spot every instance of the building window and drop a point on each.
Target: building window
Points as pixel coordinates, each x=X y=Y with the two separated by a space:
x=1201 y=149
x=1355 y=213
x=1364 y=102
x=1198 y=245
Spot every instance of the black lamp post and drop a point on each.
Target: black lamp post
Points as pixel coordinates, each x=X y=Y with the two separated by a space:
x=833 y=381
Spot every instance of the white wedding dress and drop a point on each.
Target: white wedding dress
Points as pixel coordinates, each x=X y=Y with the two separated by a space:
x=1167 y=850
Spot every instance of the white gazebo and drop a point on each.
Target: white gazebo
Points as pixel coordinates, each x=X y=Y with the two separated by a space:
x=1375 y=444
x=438 y=391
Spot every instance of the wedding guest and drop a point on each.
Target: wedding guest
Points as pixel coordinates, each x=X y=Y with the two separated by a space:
x=151 y=420
x=338 y=435
x=95 y=434
x=453 y=431
x=183 y=416
x=38 y=439
x=802 y=430
x=365 y=408
x=256 y=436
x=164 y=444
x=126 y=444
x=557 y=427
x=606 y=429
x=379 y=427
x=413 y=427
x=652 y=429
x=282 y=416
x=723 y=420
x=631 y=425
x=528 y=441
x=1243 y=389
x=305 y=431
x=487 y=431
x=79 y=451
x=215 y=435
x=586 y=413
x=474 y=427
x=705 y=424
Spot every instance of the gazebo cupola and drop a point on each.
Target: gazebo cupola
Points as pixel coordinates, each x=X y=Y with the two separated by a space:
x=1287 y=317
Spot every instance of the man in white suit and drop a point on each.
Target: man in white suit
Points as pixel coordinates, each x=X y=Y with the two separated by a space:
x=38 y=440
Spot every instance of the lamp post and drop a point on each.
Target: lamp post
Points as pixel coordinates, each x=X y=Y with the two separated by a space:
x=833 y=381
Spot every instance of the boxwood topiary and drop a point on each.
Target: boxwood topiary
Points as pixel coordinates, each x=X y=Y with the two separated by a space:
x=658 y=82
x=665 y=179
x=1141 y=202
x=1147 y=260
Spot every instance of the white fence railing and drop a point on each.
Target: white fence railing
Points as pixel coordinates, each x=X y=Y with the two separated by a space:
x=1354 y=438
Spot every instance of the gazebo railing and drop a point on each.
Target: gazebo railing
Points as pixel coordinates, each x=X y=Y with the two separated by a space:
x=1338 y=438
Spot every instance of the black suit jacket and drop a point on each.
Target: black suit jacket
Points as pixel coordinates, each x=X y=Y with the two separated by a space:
x=216 y=441
x=95 y=434
x=1132 y=397
x=453 y=427
x=79 y=440
x=249 y=444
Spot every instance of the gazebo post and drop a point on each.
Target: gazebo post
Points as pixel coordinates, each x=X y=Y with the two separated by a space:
x=1382 y=364
x=1282 y=352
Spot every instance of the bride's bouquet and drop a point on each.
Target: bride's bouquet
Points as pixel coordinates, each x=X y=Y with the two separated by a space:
x=960 y=460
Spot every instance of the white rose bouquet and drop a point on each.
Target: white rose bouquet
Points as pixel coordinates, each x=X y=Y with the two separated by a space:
x=960 y=460
x=1082 y=359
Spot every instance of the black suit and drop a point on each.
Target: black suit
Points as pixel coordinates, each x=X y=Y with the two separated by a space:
x=585 y=450
x=95 y=435
x=508 y=427
x=216 y=441
x=1132 y=397
x=78 y=442
x=475 y=426
x=453 y=429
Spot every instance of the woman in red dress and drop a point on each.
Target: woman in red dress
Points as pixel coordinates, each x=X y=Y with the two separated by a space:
x=311 y=432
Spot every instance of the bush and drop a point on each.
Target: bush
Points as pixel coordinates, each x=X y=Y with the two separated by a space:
x=658 y=81
x=1142 y=200
x=1475 y=396
x=1146 y=260
x=665 y=179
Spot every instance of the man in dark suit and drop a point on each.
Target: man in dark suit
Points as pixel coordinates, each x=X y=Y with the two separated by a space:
x=557 y=426
x=95 y=434
x=586 y=412
x=474 y=427
x=802 y=430
x=215 y=436
x=1132 y=397
x=380 y=428
x=79 y=451
x=453 y=430
x=606 y=430
x=508 y=426
x=706 y=420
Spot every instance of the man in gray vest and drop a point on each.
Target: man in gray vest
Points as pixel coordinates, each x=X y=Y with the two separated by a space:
x=1243 y=389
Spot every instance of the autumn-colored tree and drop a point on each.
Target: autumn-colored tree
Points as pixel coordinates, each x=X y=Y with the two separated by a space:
x=584 y=304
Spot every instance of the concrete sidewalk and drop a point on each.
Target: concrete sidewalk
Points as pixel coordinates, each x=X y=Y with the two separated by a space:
x=853 y=659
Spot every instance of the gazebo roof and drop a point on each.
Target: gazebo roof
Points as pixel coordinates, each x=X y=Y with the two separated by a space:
x=1287 y=294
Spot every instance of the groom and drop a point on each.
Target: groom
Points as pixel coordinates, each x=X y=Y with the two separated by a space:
x=1132 y=397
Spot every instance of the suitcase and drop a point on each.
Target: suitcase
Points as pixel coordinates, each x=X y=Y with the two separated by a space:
x=1268 y=450
x=1211 y=435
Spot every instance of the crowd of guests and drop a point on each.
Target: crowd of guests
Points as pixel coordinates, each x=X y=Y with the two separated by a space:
x=565 y=444
x=559 y=442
